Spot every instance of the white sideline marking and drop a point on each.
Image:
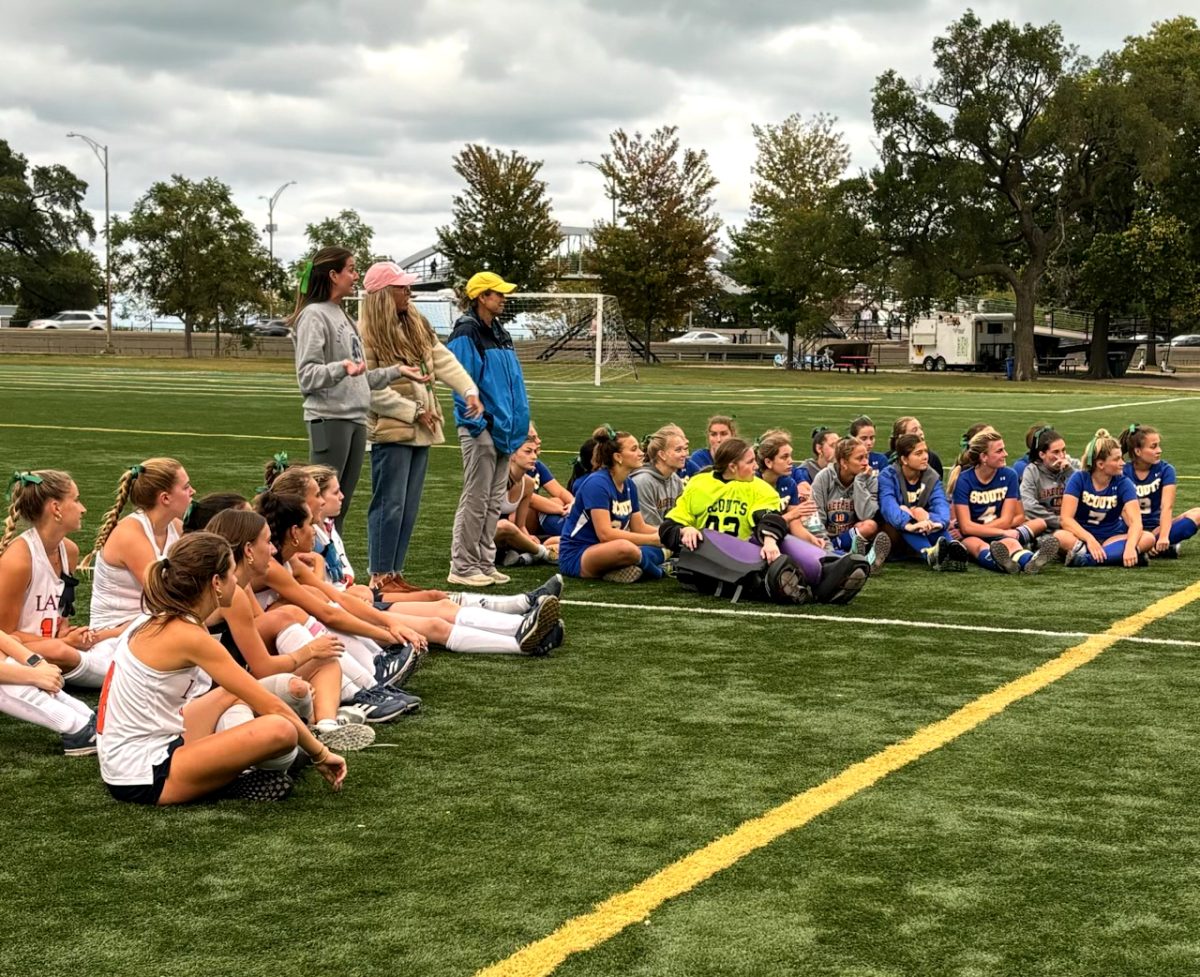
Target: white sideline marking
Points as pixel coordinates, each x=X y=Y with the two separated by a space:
x=1136 y=403
x=912 y=625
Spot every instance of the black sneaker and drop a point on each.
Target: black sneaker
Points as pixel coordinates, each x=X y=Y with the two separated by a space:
x=258 y=785
x=1047 y=550
x=551 y=588
x=1004 y=559
x=881 y=549
x=394 y=667
x=957 y=557
x=537 y=624
x=554 y=639
x=383 y=705
x=82 y=742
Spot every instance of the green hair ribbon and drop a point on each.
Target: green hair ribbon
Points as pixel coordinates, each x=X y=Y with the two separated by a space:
x=305 y=275
x=187 y=513
x=281 y=462
x=22 y=478
x=608 y=429
x=136 y=470
x=262 y=490
x=1133 y=428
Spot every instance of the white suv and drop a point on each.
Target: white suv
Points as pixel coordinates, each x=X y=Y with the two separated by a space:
x=70 y=320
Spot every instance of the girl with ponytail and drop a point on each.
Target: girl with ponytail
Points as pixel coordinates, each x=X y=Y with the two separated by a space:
x=1155 y=481
x=160 y=492
x=1100 y=510
x=158 y=742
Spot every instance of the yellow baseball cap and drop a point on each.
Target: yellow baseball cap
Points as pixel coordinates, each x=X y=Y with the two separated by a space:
x=487 y=281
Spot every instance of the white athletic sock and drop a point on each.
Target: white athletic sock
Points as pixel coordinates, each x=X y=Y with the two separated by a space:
x=516 y=604
x=61 y=713
x=93 y=665
x=236 y=715
x=488 y=620
x=292 y=638
x=355 y=677
x=281 y=762
x=356 y=649
x=479 y=642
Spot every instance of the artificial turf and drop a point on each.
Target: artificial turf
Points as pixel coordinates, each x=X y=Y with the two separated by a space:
x=1054 y=839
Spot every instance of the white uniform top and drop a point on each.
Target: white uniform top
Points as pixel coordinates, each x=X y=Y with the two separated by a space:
x=39 y=610
x=116 y=594
x=139 y=713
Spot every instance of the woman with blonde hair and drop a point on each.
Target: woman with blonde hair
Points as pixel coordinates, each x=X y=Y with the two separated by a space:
x=405 y=417
x=161 y=492
x=1100 y=508
x=659 y=482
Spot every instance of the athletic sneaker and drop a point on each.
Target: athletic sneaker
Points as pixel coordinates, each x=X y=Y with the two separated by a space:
x=538 y=623
x=258 y=785
x=345 y=737
x=384 y=705
x=551 y=588
x=353 y=713
x=881 y=548
x=955 y=557
x=553 y=639
x=510 y=558
x=1076 y=550
x=625 y=575
x=1047 y=550
x=1171 y=552
x=1003 y=558
x=496 y=576
x=469 y=579
x=394 y=667
x=82 y=742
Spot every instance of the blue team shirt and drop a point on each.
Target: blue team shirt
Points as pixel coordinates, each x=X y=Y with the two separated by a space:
x=700 y=459
x=1020 y=465
x=985 y=502
x=540 y=474
x=1099 y=511
x=598 y=491
x=877 y=460
x=788 y=490
x=1149 y=490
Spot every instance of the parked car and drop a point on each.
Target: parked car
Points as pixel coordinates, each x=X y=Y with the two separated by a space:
x=270 y=327
x=1188 y=339
x=70 y=320
x=699 y=336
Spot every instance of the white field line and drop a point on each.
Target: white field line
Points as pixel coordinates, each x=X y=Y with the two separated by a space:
x=1136 y=403
x=876 y=621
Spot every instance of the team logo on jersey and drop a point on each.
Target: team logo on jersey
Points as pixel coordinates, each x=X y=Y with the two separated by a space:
x=988 y=496
x=734 y=507
x=622 y=510
x=1149 y=488
x=1093 y=501
x=45 y=602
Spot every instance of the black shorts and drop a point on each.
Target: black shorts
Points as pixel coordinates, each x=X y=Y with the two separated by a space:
x=148 y=793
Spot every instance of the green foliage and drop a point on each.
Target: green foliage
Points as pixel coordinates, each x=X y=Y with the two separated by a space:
x=346 y=230
x=655 y=259
x=42 y=219
x=503 y=221
x=188 y=251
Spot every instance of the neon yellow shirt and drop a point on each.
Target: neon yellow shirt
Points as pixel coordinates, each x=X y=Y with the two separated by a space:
x=730 y=507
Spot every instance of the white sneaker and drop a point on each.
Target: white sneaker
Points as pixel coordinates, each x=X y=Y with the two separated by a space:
x=353 y=713
x=345 y=736
x=472 y=579
x=496 y=576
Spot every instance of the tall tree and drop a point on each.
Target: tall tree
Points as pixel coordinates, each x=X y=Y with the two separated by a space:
x=503 y=221
x=655 y=258
x=42 y=221
x=794 y=250
x=188 y=250
x=346 y=230
x=985 y=166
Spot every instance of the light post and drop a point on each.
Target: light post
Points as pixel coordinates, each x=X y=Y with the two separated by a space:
x=102 y=155
x=271 y=229
x=609 y=190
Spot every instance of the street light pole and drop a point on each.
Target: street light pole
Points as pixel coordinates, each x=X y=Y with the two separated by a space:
x=102 y=155
x=609 y=190
x=271 y=228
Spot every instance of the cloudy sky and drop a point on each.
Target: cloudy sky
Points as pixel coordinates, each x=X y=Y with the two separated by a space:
x=364 y=102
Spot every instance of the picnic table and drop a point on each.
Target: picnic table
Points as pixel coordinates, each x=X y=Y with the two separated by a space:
x=859 y=364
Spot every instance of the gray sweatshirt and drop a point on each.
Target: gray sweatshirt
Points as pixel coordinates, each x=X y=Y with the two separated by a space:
x=657 y=493
x=324 y=337
x=1042 y=491
x=841 y=506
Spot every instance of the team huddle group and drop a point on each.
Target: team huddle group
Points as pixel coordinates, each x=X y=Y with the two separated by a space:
x=235 y=646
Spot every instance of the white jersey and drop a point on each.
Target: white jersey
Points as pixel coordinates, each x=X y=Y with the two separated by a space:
x=116 y=595
x=139 y=713
x=40 y=609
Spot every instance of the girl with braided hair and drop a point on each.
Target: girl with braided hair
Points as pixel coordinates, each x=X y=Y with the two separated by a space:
x=37 y=586
x=1155 y=482
x=1100 y=509
x=161 y=492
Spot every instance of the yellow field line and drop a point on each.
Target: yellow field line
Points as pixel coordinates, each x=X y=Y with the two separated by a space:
x=610 y=917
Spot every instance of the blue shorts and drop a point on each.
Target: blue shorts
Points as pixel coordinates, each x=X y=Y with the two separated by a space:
x=148 y=793
x=551 y=525
x=570 y=560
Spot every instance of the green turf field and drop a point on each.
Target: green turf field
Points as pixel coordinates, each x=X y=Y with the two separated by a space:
x=1057 y=838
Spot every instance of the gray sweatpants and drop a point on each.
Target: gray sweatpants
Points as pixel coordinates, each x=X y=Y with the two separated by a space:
x=485 y=479
x=340 y=445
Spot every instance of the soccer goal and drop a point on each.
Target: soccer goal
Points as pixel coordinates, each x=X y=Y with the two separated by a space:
x=569 y=337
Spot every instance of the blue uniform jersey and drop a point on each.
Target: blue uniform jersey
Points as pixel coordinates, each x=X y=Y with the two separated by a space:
x=985 y=502
x=788 y=490
x=700 y=459
x=877 y=460
x=1149 y=490
x=540 y=475
x=1019 y=466
x=598 y=491
x=1099 y=510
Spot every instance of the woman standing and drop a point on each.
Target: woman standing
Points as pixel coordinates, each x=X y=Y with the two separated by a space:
x=331 y=371
x=405 y=417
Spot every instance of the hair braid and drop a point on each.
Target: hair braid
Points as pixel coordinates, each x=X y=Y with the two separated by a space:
x=112 y=517
x=10 y=525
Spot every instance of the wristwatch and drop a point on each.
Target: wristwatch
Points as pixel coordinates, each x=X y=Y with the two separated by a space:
x=34 y=660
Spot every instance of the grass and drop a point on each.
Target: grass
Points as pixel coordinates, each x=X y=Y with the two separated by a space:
x=1058 y=838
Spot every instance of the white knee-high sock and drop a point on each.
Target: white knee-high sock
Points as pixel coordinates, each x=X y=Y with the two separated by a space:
x=515 y=604
x=356 y=649
x=61 y=713
x=487 y=620
x=236 y=715
x=479 y=642
x=355 y=677
x=93 y=665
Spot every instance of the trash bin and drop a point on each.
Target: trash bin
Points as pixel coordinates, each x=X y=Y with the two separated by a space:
x=1008 y=368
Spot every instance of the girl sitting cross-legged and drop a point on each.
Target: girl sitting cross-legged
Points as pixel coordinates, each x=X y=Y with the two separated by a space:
x=914 y=507
x=1155 y=482
x=1100 y=509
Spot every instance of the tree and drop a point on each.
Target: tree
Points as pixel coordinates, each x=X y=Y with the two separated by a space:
x=42 y=220
x=794 y=250
x=503 y=220
x=188 y=250
x=346 y=230
x=655 y=259
x=984 y=167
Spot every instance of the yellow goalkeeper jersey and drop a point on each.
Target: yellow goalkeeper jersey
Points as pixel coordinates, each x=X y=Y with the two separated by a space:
x=730 y=507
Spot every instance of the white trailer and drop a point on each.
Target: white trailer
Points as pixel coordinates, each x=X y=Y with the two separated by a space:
x=961 y=341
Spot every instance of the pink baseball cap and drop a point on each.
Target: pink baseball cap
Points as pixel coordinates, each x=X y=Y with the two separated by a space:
x=384 y=273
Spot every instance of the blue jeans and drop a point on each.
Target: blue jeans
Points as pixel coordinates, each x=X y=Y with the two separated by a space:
x=397 y=476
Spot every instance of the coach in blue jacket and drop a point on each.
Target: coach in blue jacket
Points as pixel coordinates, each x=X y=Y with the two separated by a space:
x=486 y=352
